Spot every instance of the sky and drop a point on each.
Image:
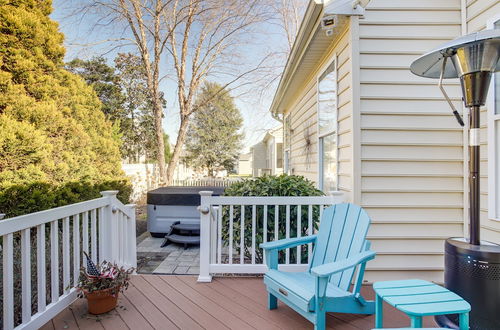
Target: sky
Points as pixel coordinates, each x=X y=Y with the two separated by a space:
x=84 y=40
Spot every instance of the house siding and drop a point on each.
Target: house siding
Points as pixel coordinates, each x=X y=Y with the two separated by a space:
x=477 y=15
x=304 y=119
x=412 y=168
x=401 y=151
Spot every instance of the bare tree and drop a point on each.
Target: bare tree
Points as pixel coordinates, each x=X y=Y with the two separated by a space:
x=205 y=38
x=288 y=15
x=142 y=24
x=189 y=41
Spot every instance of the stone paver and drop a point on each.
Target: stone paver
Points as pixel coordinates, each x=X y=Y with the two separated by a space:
x=181 y=270
x=172 y=259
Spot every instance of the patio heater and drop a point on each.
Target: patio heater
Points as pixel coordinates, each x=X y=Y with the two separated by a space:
x=472 y=266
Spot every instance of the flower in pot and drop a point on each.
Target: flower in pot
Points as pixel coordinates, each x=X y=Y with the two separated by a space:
x=101 y=284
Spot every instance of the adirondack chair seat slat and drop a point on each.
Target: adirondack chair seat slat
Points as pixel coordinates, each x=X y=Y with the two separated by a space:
x=300 y=285
x=340 y=247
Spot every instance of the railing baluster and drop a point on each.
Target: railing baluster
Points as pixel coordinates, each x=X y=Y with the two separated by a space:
x=120 y=237
x=93 y=234
x=54 y=260
x=76 y=248
x=8 y=281
x=264 y=229
x=102 y=239
x=242 y=235
x=254 y=225
x=321 y=207
x=276 y=220
x=219 y=235
x=299 y=233
x=65 y=251
x=26 y=274
x=287 y=233
x=309 y=232
x=41 y=267
x=231 y=234
x=85 y=232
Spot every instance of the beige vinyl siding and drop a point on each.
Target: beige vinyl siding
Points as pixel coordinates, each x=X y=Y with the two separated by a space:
x=477 y=15
x=411 y=146
x=304 y=118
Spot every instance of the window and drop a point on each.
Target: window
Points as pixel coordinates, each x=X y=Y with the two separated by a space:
x=279 y=155
x=287 y=143
x=327 y=128
x=493 y=106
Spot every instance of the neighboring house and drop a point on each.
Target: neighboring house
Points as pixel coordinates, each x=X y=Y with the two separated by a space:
x=267 y=155
x=357 y=120
x=244 y=165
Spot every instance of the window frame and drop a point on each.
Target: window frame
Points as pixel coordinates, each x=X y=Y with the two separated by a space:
x=493 y=145
x=334 y=132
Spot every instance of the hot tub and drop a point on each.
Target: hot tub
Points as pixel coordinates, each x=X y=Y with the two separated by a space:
x=170 y=204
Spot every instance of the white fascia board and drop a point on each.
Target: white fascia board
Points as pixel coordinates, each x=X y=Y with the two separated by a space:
x=344 y=7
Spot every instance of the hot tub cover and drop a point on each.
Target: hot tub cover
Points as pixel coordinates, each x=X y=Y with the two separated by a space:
x=179 y=195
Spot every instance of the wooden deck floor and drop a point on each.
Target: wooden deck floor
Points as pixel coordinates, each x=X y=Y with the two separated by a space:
x=179 y=302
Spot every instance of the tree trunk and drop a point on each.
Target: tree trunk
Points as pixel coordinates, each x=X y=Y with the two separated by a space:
x=160 y=143
x=177 y=150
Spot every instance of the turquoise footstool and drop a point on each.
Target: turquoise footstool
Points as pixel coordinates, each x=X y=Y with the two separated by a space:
x=418 y=298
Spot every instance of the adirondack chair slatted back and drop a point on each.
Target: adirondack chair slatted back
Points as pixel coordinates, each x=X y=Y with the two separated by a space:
x=342 y=233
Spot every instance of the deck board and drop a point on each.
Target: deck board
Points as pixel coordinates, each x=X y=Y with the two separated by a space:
x=179 y=302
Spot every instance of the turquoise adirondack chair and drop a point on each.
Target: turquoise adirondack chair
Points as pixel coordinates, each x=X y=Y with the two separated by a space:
x=339 y=248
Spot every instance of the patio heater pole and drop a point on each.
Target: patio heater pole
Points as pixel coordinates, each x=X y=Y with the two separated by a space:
x=474 y=163
x=471 y=265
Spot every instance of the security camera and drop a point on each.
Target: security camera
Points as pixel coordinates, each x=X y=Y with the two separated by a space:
x=329 y=32
x=329 y=22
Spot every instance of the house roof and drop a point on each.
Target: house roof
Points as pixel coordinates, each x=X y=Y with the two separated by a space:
x=308 y=49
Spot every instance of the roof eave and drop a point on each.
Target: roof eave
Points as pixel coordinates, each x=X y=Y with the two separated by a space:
x=311 y=15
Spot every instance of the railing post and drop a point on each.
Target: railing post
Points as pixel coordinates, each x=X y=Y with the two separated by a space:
x=131 y=238
x=205 y=238
x=110 y=229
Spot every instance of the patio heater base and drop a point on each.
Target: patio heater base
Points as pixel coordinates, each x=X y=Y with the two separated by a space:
x=473 y=272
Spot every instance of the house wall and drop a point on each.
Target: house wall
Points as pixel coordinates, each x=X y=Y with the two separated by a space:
x=304 y=120
x=478 y=13
x=412 y=169
x=258 y=158
x=401 y=150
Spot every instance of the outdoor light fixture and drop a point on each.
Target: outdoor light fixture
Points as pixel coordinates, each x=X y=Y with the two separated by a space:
x=472 y=266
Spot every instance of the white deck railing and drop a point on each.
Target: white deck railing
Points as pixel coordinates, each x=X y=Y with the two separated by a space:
x=233 y=227
x=104 y=228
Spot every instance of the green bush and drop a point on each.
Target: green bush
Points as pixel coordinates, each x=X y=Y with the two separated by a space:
x=38 y=196
x=282 y=185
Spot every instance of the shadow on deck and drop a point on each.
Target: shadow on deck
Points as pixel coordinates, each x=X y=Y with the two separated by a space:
x=179 y=302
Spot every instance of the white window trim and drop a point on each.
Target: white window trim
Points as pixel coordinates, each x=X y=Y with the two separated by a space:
x=493 y=148
x=335 y=131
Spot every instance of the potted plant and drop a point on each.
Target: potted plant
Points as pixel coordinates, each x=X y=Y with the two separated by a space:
x=101 y=284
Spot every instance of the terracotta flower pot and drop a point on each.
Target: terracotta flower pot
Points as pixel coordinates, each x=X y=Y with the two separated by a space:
x=100 y=302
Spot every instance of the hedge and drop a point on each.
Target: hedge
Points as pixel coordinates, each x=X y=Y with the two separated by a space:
x=270 y=185
x=38 y=196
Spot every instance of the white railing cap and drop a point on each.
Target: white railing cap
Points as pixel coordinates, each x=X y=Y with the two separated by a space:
x=206 y=193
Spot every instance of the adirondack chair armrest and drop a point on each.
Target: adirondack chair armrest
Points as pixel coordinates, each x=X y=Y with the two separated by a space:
x=288 y=243
x=339 y=266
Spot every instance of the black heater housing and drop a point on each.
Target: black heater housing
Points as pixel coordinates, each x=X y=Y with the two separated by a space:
x=473 y=272
x=472 y=266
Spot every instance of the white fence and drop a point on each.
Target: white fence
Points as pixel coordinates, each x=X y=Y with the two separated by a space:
x=233 y=227
x=104 y=228
x=206 y=182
